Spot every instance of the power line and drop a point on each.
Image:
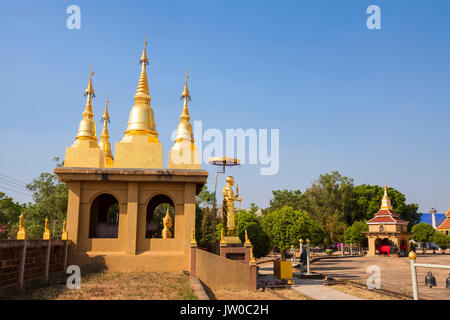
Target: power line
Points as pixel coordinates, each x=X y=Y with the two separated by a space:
x=11 y=184
x=22 y=193
x=14 y=179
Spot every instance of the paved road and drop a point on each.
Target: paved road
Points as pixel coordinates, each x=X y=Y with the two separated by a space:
x=311 y=288
x=395 y=272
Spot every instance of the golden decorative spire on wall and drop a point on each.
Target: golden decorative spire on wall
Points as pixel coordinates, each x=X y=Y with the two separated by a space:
x=87 y=130
x=141 y=118
x=104 y=143
x=386 y=202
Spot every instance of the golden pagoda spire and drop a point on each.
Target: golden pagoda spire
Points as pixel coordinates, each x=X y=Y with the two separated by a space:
x=86 y=129
x=184 y=130
x=141 y=118
x=386 y=202
x=104 y=143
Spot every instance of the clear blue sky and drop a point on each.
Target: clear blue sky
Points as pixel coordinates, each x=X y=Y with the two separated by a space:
x=373 y=104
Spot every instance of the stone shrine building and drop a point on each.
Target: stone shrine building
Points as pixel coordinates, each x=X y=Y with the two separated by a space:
x=114 y=202
x=388 y=233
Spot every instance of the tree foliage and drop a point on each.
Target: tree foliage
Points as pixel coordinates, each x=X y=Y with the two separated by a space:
x=289 y=226
x=422 y=232
x=441 y=240
x=354 y=233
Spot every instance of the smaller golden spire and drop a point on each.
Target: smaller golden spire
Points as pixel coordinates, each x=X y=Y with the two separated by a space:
x=87 y=128
x=193 y=241
x=386 y=202
x=252 y=257
x=104 y=143
x=64 y=235
x=247 y=240
x=184 y=130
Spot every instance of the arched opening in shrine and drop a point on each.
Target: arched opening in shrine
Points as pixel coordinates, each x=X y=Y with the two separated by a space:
x=104 y=217
x=156 y=211
x=385 y=246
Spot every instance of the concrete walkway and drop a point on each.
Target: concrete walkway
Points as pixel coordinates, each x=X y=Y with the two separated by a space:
x=315 y=289
x=312 y=288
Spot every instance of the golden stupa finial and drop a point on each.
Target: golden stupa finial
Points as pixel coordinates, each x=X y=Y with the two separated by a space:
x=247 y=240
x=193 y=241
x=87 y=129
x=386 y=202
x=104 y=143
x=141 y=118
x=64 y=235
x=47 y=235
x=22 y=233
x=185 y=94
x=184 y=130
x=252 y=257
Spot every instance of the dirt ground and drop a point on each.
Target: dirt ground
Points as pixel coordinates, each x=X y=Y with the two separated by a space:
x=109 y=285
x=364 y=293
x=280 y=294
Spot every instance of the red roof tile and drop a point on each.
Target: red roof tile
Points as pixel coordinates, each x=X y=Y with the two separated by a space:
x=444 y=225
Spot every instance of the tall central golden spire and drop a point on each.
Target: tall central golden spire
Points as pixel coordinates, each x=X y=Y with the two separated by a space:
x=140 y=147
x=104 y=143
x=87 y=130
x=141 y=118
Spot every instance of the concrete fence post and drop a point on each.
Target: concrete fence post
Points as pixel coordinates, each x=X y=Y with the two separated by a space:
x=412 y=259
x=47 y=259
x=66 y=250
x=22 y=264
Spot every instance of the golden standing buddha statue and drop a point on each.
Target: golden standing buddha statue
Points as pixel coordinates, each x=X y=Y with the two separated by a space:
x=228 y=203
x=168 y=224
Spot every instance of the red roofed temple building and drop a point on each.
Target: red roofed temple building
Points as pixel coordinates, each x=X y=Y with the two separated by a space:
x=388 y=233
x=445 y=225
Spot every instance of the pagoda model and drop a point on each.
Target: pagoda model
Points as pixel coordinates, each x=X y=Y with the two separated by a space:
x=140 y=147
x=387 y=229
x=184 y=153
x=85 y=151
x=445 y=225
x=113 y=201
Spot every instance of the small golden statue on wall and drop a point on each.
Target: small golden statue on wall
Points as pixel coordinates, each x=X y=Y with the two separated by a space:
x=228 y=204
x=168 y=224
x=47 y=234
x=22 y=233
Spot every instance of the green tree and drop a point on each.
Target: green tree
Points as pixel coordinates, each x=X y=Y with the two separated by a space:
x=422 y=233
x=354 y=233
x=9 y=215
x=50 y=200
x=247 y=219
x=289 y=226
x=290 y=198
x=330 y=203
x=441 y=240
x=204 y=229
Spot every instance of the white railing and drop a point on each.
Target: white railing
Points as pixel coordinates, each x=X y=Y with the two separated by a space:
x=414 y=265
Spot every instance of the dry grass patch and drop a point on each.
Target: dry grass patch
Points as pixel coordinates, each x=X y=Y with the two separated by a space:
x=108 y=285
x=286 y=293
x=364 y=293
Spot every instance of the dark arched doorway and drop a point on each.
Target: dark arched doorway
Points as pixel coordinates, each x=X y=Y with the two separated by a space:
x=104 y=217
x=156 y=210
